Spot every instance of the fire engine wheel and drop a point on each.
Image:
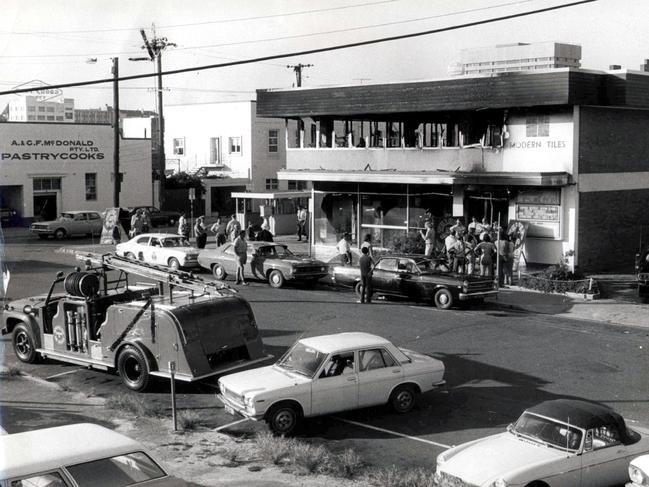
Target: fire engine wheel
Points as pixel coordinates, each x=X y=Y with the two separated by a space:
x=130 y=255
x=219 y=272
x=276 y=279
x=23 y=343
x=403 y=399
x=283 y=419
x=443 y=299
x=60 y=233
x=133 y=368
x=174 y=265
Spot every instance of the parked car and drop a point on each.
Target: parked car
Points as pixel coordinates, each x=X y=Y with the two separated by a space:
x=70 y=223
x=268 y=261
x=639 y=472
x=565 y=442
x=328 y=374
x=8 y=216
x=78 y=455
x=158 y=217
x=166 y=249
x=417 y=278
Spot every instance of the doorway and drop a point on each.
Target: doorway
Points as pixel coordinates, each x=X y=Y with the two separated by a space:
x=45 y=207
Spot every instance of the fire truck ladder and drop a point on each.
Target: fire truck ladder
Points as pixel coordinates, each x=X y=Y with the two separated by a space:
x=163 y=275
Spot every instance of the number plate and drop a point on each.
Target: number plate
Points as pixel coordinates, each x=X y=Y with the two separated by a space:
x=229 y=410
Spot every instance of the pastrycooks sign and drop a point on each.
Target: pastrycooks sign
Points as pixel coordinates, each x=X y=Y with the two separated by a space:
x=51 y=150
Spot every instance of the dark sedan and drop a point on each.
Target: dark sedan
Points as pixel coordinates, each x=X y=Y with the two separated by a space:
x=159 y=218
x=416 y=278
x=268 y=261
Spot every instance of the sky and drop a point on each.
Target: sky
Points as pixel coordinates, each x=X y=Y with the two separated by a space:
x=52 y=41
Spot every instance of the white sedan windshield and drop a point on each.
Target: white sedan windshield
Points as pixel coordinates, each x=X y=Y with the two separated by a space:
x=302 y=359
x=552 y=433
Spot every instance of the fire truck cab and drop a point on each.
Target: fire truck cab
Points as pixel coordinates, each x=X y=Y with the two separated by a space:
x=197 y=327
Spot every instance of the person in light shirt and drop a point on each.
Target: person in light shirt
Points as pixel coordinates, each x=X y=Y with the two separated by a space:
x=344 y=249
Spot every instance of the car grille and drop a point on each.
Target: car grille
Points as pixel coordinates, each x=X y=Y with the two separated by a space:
x=448 y=480
x=39 y=226
x=231 y=396
x=310 y=269
x=480 y=286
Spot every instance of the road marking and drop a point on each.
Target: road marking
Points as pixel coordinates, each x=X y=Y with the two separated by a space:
x=62 y=373
x=394 y=433
x=230 y=424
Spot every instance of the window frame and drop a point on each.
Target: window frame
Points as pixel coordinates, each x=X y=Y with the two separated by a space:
x=235 y=148
x=178 y=146
x=91 y=189
x=215 y=150
x=273 y=147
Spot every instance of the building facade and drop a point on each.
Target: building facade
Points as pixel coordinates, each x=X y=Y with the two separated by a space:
x=519 y=57
x=47 y=168
x=35 y=109
x=558 y=149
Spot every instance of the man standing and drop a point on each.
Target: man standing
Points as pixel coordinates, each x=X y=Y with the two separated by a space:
x=234 y=228
x=366 y=264
x=302 y=215
x=201 y=232
x=428 y=234
x=218 y=229
x=241 y=251
x=344 y=249
x=183 y=228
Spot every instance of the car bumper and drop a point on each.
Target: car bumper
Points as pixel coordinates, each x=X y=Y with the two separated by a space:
x=41 y=231
x=306 y=275
x=484 y=294
x=235 y=409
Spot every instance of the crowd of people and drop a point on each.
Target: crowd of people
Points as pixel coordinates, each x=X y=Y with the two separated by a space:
x=223 y=230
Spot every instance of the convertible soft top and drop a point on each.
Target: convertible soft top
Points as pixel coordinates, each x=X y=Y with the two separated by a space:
x=583 y=414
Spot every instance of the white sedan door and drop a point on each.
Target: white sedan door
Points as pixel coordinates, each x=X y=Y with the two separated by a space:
x=378 y=373
x=607 y=461
x=336 y=386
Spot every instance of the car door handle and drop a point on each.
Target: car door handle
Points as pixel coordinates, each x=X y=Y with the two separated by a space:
x=397 y=371
x=351 y=379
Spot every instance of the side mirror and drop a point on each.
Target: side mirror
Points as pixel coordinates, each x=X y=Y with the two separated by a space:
x=60 y=274
x=588 y=442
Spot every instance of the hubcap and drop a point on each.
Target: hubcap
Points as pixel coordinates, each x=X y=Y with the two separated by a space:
x=404 y=399
x=219 y=272
x=443 y=298
x=23 y=347
x=132 y=370
x=275 y=278
x=284 y=420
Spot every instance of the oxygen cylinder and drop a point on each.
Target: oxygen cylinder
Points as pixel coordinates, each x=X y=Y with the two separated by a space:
x=77 y=329
x=69 y=337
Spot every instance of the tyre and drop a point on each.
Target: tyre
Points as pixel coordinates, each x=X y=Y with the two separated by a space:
x=130 y=255
x=443 y=299
x=219 y=272
x=403 y=399
x=358 y=289
x=283 y=419
x=174 y=265
x=60 y=233
x=24 y=345
x=133 y=368
x=276 y=279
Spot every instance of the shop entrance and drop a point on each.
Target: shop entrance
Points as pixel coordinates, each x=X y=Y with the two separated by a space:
x=45 y=207
x=487 y=205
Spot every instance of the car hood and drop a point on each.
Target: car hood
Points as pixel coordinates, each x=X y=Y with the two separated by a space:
x=499 y=456
x=303 y=261
x=33 y=301
x=261 y=380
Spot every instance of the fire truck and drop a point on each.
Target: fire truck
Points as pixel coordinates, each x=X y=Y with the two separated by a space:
x=103 y=320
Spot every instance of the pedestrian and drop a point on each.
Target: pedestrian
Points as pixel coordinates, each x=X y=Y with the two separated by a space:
x=487 y=252
x=233 y=228
x=183 y=228
x=428 y=234
x=302 y=216
x=367 y=243
x=458 y=227
x=449 y=241
x=218 y=229
x=477 y=227
x=241 y=251
x=506 y=253
x=459 y=255
x=486 y=230
x=344 y=249
x=201 y=232
x=116 y=234
x=265 y=235
x=146 y=221
x=366 y=264
x=251 y=233
x=470 y=243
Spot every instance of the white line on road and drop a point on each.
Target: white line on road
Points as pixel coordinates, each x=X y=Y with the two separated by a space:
x=230 y=424
x=394 y=433
x=62 y=373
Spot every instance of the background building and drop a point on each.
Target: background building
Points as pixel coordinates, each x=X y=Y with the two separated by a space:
x=519 y=57
x=34 y=109
x=559 y=149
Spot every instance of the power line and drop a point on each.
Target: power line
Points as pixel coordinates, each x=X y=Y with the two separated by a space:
x=209 y=22
x=313 y=51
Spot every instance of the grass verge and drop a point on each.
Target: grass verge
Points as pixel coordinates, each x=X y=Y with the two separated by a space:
x=128 y=403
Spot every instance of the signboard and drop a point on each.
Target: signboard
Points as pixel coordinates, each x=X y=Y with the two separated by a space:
x=112 y=228
x=40 y=90
x=192 y=194
x=542 y=210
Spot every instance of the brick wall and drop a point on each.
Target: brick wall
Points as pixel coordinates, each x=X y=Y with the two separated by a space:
x=609 y=229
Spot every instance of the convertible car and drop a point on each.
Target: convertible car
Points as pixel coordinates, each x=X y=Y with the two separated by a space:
x=417 y=278
x=560 y=443
x=165 y=249
x=267 y=261
x=327 y=374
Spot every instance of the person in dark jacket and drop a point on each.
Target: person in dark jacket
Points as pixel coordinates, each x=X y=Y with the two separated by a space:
x=366 y=264
x=264 y=235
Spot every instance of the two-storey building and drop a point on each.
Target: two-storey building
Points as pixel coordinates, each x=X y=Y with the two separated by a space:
x=564 y=150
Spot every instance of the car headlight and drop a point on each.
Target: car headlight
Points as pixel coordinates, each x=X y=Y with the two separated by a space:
x=500 y=483
x=249 y=401
x=465 y=286
x=441 y=460
x=637 y=476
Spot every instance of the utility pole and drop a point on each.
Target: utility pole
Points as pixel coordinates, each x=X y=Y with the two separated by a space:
x=116 y=135
x=298 y=71
x=155 y=48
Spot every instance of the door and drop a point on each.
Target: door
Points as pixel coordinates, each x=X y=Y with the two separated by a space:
x=605 y=459
x=95 y=223
x=154 y=252
x=45 y=207
x=229 y=260
x=78 y=224
x=378 y=373
x=336 y=386
x=385 y=278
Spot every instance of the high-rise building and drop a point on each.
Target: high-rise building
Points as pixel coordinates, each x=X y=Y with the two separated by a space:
x=33 y=109
x=519 y=57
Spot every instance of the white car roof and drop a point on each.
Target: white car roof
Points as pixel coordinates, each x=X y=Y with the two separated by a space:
x=344 y=341
x=50 y=448
x=158 y=235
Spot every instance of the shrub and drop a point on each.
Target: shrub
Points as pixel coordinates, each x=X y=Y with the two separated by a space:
x=188 y=420
x=130 y=403
x=348 y=464
x=274 y=449
x=411 y=243
x=310 y=459
x=559 y=279
x=394 y=477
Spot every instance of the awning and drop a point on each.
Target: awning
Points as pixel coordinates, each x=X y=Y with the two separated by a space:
x=276 y=195
x=431 y=177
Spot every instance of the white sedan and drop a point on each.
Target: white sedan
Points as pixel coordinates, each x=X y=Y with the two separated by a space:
x=639 y=472
x=328 y=374
x=165 y=249
x=560 y=443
